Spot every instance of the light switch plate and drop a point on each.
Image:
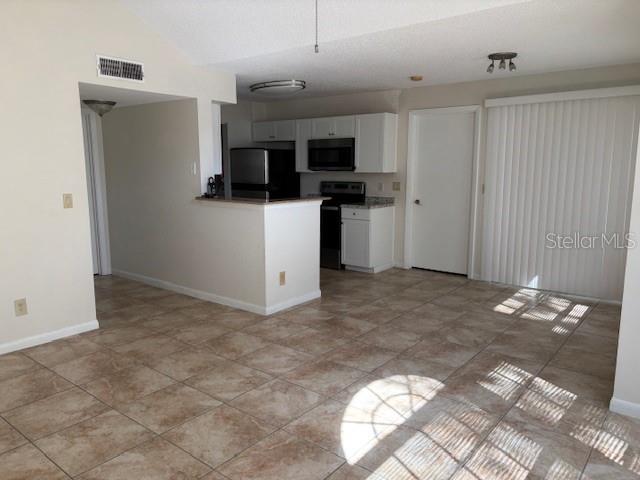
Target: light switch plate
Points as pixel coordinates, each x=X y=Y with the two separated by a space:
x=67 y=200
x=396 y=186
x=20 y=307
x=283 y=278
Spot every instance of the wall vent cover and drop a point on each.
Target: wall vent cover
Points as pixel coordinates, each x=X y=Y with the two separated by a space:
x=112 y=67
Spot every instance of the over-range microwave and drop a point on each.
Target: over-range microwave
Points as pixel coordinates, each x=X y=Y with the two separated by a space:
x=332 y=154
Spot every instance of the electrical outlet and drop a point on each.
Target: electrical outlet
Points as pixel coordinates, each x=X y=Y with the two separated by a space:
x=380 y=186
x=396 y=186
x=67 y=200
x=283 y=278
x=20 y=307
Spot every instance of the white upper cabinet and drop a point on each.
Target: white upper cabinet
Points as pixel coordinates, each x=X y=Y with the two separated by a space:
x=303 y=134
x=276 y=131
x=322 y=128
x=376 y=142
x=376 y=136
x=344 y=127
x=333 y=127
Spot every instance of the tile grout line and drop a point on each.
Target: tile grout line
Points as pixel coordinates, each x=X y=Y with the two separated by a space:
x=281 y=428
x=475 y=450
x=279 y=376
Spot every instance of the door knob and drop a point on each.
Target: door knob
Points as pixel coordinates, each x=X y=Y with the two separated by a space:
x=417 y=201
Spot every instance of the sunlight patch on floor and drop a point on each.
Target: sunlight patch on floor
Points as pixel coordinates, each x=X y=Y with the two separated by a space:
x=499 y=385
x=561 y=470
x=418 y=458
x=376 y=410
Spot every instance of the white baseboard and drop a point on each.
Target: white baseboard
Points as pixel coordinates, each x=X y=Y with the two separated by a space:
x=402 y=265
x=48 y=337
x=625 y=408
x=292 y=302
x=378 y=269
x=212 y=297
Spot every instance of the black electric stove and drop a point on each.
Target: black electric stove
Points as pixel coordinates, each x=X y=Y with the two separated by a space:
x=331 y=218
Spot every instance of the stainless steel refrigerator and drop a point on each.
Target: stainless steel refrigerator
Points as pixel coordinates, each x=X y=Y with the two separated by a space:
x=263 y=173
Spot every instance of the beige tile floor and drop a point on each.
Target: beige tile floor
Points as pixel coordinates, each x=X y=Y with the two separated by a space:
x=404 y=375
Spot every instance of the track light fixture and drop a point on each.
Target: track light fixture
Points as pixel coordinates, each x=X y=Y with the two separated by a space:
x=502 y=57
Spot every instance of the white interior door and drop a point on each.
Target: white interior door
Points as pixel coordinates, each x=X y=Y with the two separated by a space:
x=442 y=153
x=91 y=191
x=96 y=192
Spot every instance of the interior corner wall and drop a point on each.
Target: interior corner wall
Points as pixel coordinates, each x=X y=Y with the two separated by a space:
x=238 y=118
x=159 y=233
x=47 y=49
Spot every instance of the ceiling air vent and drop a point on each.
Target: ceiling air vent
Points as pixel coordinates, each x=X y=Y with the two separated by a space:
x=118 y=68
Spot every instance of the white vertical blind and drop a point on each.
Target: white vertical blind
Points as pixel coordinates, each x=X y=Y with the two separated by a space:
x=559 y=167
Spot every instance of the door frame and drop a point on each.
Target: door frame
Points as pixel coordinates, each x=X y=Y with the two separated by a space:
x=476 y=182
x=94 y=160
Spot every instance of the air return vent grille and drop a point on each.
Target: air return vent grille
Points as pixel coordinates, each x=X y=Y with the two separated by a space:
x=118 y=68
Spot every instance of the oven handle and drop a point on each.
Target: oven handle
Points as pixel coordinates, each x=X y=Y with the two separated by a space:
x=329 y=207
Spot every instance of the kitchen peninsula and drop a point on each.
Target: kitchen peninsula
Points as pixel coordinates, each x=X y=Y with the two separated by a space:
x=269 y=251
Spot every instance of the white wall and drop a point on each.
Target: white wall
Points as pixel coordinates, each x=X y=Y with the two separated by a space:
x=239 y=118
x=292 y=245
x=626 y=390
x=403 y=101
x=157 y=228
x=225 y=252
x=48 y=47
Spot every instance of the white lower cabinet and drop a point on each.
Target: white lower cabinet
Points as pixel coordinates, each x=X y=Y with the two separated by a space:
x=367 y=238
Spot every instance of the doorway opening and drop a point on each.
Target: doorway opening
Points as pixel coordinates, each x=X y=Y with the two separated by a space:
x=96 y=191
x=96 y=170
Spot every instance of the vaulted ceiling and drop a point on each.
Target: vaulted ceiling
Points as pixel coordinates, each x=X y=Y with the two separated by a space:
x=378 y=44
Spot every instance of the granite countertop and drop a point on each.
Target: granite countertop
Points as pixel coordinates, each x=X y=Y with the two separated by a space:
x=371 y=202
x=260 y=201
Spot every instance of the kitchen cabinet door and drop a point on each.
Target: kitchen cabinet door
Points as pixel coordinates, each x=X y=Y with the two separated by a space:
x=285 y=130
x=333 y=127
x=344 y=127
x=355 y=243
x=322 y=127
x=303 y=134
x=264 y=131
x=367 y=238
x=276 y=131
x=376 y=143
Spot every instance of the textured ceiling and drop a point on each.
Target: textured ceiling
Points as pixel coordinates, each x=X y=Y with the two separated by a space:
x=377 y=44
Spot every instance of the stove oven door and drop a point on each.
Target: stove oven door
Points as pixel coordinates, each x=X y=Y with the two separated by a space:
x=330 y=241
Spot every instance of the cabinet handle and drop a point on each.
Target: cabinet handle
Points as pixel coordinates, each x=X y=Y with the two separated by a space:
x=272 y=136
